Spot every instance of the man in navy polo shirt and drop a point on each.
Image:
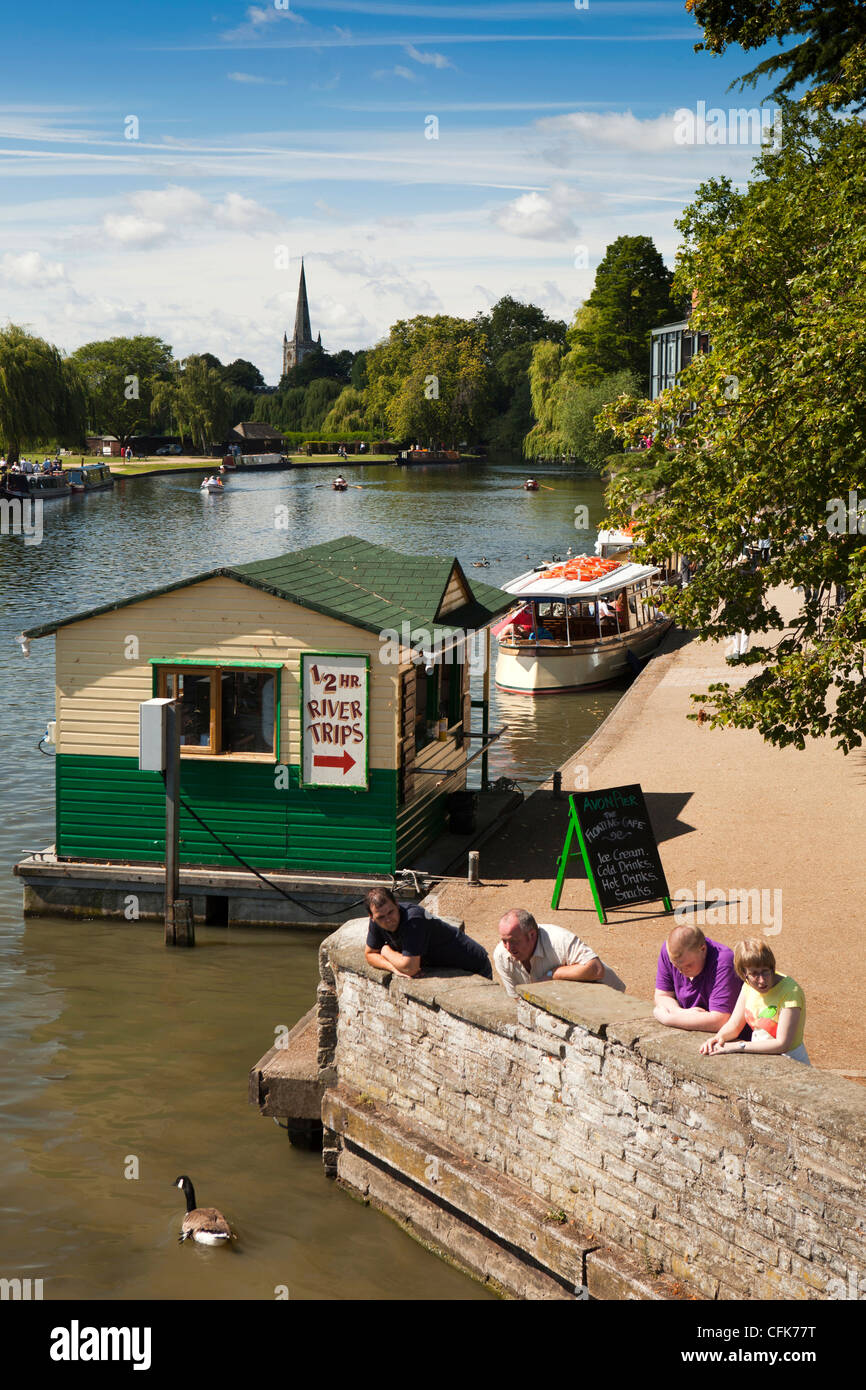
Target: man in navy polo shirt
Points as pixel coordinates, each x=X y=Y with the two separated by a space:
x=696 y=983
x=403 y=939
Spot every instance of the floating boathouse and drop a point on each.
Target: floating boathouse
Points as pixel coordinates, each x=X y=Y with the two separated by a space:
x=325 y=719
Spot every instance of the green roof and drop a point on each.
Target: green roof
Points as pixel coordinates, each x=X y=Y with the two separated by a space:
x=365 y=585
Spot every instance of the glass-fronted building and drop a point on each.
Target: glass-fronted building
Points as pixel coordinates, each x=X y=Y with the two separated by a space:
x=672 y=349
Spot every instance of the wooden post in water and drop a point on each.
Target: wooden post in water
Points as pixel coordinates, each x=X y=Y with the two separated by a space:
x=179 y=926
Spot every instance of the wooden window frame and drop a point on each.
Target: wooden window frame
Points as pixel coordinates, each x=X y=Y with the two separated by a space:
x=165 y=666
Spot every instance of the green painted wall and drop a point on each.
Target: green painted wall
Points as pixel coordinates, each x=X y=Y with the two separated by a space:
x=108 y=809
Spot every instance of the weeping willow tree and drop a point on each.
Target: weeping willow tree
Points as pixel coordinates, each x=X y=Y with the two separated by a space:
x=197 y=398
x=348 y=413
x=42 y=395
x=544 y=439
x=566 y=402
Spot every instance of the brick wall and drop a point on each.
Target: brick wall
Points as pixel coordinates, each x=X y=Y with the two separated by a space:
x=738 y=1177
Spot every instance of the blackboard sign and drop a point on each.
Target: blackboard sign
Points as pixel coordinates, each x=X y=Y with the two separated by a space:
x=612 y=828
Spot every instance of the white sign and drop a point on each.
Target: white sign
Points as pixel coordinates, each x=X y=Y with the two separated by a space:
x=334 y=719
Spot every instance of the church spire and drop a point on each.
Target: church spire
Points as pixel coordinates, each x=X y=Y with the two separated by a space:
x=303 y=332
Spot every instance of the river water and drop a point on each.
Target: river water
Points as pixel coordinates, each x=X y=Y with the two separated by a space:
x=122 y=1064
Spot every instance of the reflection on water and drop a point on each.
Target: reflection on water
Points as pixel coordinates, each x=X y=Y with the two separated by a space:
x=115 y=1053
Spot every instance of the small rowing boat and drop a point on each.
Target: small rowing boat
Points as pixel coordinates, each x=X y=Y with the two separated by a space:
x=213 y=485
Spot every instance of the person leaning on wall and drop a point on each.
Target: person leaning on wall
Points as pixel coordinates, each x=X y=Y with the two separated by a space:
x=696 y=982
x=529 y=953
x=403 y=939
x=773 y=1006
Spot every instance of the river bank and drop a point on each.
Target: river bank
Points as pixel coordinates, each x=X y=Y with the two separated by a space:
x=731 y=813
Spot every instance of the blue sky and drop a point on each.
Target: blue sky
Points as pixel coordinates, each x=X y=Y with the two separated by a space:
x=262 y=133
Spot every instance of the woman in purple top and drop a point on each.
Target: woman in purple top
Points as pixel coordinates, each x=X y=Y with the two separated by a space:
x=697 y=986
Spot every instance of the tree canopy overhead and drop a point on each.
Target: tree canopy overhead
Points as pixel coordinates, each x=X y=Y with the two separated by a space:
x=830 y=54
x=764 y=437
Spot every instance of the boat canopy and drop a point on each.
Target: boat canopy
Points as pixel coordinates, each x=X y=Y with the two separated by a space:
x=539 y=584
x=622 y=540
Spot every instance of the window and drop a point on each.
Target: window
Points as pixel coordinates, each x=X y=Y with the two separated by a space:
x=224 y=710
x=437 y=696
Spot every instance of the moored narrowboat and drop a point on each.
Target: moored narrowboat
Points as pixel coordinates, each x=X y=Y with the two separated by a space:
x=90 y=477
x=40 y=486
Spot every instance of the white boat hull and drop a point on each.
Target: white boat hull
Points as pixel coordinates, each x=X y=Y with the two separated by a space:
x=554 y=668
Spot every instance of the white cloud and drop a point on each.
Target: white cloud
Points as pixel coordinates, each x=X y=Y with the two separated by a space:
x=129 y=230
x=405 y=73
x=253 y=80
x=587 y=130
x=160 y=214
x=243 y=214
x=173 y=202
x=258 y=20
x=542 y=216
x=30 y=269
x=433 y=60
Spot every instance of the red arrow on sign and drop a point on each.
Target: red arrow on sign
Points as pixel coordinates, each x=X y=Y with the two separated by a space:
x=345 y=761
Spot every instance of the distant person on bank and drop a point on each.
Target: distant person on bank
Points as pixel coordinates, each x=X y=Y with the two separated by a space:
x=696 y=982
x=528 y=953
x=403 y=939
x=773 y=1006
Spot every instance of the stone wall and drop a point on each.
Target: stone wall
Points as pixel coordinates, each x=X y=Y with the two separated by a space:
x=735 y=1177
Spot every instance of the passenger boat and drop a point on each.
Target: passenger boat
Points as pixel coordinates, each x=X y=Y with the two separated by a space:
x=44 y=486
x=576 y=624
x=614 y=542
x=212 y=485
x=91 y=477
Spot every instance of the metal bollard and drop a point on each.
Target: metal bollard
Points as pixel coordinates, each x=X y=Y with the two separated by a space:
x=474 y=858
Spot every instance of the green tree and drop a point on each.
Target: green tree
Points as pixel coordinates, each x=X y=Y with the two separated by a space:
x=567 y=406
x=511 y=330
x=318 y=398
x=242 y=403
x=348 y=413
x=763 y=438
x=317 y=365
x=41 y=393
x=430 y=380
x=244 y=375
x=120 y=375
x=358 y=375
x=198 y=399
x=631 y=296
x=544 y=439
x=831 y=52
x=578 y=406
x=512 y=324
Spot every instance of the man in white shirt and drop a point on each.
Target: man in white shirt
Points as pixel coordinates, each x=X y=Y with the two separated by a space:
x=528 y=953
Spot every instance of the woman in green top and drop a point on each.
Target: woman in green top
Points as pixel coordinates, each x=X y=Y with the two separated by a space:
x=773 y=1005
